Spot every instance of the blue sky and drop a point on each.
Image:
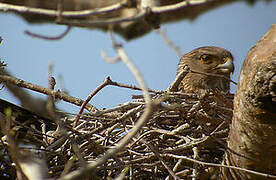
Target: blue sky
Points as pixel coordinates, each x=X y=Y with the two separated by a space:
x=236 y=27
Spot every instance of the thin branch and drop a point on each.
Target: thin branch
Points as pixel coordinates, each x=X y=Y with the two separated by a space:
x=50 y=38
x=142 y=13
x=90 y=96
x=106 y=82
x=83 y=13
x=144 y=117
x=109 y=59
x=169 y=42
x=54 y=13
x=214 y=75
x=174 y=86
x=163 y=9
x=220 y=165
x=57 y=94
x=161 y=159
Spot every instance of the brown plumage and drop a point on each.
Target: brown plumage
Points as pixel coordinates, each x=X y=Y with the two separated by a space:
x=209 y=59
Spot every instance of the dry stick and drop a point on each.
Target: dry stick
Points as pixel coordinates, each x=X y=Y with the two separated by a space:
x=51 y=99
x=160 y=159
x=219 y=165
x=141 y=14
x=195 y=166
x=214 y=75
x=174 y=86
x=90 y=96
x=50 y=38
x=57 y=94
x=169 y=42
x=58 y=19
x=106 y=82
x=172 y=7
x=54 y=13
x=145 y=116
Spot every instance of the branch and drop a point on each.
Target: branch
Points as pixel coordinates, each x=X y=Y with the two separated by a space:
x=220 y=165
x=57 y=94
x=54 y=13
x=176 y=6
x=174 y=86
x=58 y=37
x=144 y=117
x=142 y=13
x=169 y=42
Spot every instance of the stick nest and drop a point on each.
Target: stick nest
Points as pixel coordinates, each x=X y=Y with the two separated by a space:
x=184 y=131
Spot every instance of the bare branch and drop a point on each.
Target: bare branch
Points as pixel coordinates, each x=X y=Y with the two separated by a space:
x=142 y=13
x=174 y=86
x=169 y=42
x=37 y=88
x=176 y=6
x=53 y=38
x=54 y=13
x=145 y=116
x=215 y=75
x=220 y=165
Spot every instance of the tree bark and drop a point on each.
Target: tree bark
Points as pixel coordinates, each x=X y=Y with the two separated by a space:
x=253 y=129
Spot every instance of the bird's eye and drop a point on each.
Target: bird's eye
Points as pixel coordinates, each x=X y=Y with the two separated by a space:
x=206 y=59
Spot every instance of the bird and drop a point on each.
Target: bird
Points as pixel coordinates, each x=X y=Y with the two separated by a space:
x=203 y=62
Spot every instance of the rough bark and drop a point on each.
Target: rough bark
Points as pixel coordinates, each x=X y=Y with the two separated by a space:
x=253 y=128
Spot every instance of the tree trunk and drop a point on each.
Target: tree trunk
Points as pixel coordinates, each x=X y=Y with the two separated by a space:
x=253 y=129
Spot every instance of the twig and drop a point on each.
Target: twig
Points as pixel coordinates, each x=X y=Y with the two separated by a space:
x=220 y=165
x=145 y=116
x=83 y=13
x=50 y=38
x=109 y=59
x=50 y=107
x=57 y=94
x=163 y=9
x=214 y=75
x=195 y=156
x=174 y=86
x=106 y=82
x=142 y=13
x=121 y=107
x=169 y=42
x=160 y=159
x=54 y=13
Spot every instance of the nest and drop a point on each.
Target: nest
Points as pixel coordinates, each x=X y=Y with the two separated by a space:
x=183 y=135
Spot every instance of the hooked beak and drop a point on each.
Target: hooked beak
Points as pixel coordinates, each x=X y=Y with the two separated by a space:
x=227 y=67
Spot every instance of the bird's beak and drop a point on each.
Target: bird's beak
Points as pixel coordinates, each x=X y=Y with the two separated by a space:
x=227 y=66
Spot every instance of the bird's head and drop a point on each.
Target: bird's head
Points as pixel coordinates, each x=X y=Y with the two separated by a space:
x=210 y=59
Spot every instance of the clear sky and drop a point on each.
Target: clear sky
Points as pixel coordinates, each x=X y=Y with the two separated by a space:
x=236 y=27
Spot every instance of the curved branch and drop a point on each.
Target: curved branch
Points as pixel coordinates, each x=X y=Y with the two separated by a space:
x=54 y=13
x=58 y=37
